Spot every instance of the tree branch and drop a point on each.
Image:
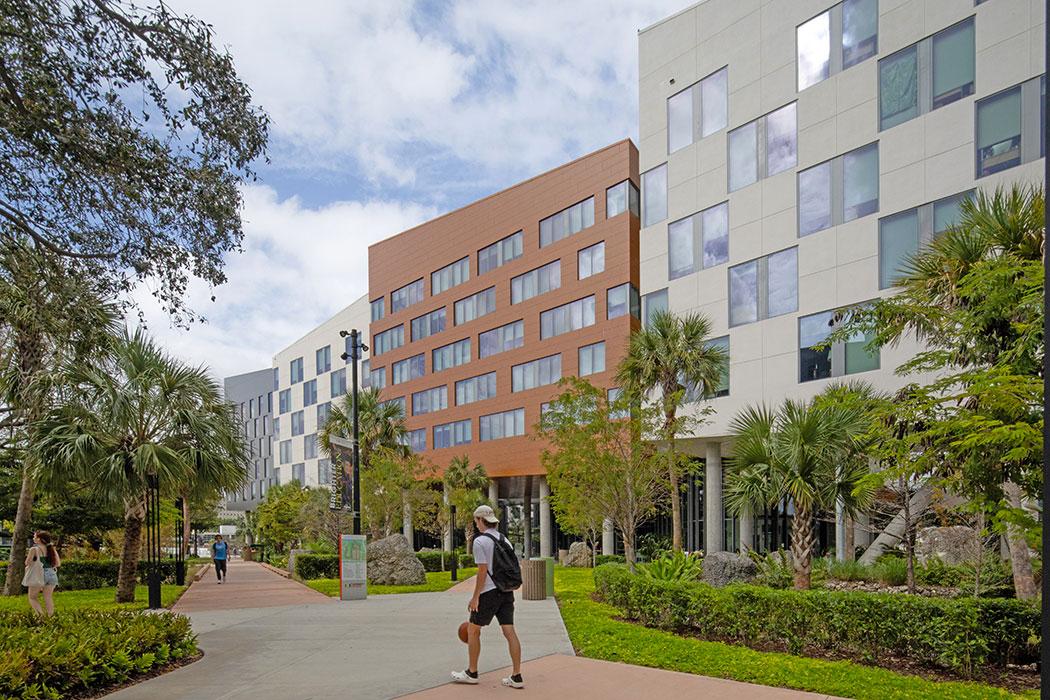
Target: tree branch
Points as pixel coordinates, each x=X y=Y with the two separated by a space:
x=19 y=221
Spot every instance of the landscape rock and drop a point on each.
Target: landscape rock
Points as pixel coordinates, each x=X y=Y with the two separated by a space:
x=723 y=568
x=953 y=545
x=579 y=555
x=391 y=562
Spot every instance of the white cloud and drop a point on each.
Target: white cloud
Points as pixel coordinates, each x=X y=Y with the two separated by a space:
x=299 y=266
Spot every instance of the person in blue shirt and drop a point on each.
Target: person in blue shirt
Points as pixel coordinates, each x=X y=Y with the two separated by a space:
x=219 y=551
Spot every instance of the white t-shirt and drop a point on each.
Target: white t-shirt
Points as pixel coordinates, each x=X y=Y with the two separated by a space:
x=483 y=548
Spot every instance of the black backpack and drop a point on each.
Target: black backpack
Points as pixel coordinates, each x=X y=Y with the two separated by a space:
x=504 y=569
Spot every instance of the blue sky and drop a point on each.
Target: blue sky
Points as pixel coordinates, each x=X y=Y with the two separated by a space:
x=386 y=114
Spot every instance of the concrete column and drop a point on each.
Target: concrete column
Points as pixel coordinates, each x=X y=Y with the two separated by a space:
x=545 y=518
x=406 y=520
x=608 y=537
x=714 y=516
x=861 y=534
x=747 y=531
x=446 y=538
x=840 y=531
x=493 y=493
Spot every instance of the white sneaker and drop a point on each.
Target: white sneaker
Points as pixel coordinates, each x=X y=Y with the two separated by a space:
x=511 y=683
x=464 y=677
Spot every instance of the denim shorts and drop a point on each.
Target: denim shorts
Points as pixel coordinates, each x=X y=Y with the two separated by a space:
x=50 y=576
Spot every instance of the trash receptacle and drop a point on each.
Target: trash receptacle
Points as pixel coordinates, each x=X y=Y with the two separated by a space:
x=533 y=579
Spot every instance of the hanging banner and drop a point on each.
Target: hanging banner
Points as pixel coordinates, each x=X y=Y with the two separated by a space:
x=353 y=567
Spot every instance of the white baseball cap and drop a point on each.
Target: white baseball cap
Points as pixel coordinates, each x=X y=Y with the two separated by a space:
x=486 y=514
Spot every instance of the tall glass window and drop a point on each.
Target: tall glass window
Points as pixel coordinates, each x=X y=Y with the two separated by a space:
x=284 y=401
x=296 y=370
x=591 y=260
x=591 y=359
x=652 y=303
x=501 y=425
x=378 y=308
x=377 y=378
x=475 y=306
x=541 y=372
x=390 y=339
x=723 y=382
x=535 y=282
x=842 y=36
x=476 y=389
x=567 y=317
x=428 y=324
x=286 y=451
x=654 y=195
x=763 y=288
x=408 y=369
x=621 y=197
x=697 y=111
x=451 y=355
x=852 y=179
x=818 y=360
x=567 y=222
x=297 y=423
x=450 y=276
x=622 y=300
x=416 y=440
x=323 y=411
x=999 y=132
x=778 y=133
x=430 y=400
x=699 y=240
x=903 y=234
x=452 y=434
x=501 y=339
x=814 y=50
x=323 y=359
x=500 y=253
x=310 y=446
x=338 y=382
x=406 y=296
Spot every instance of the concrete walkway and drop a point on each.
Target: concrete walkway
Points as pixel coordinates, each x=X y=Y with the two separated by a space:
x=247 y=585
x=559 y=676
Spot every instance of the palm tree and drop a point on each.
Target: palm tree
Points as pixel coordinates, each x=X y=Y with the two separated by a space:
x=672 y=354
x=381 y=424
x=466 y=485
x=804 y=452
x=138 y=415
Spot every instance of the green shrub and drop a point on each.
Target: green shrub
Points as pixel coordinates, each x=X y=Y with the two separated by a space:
x=84 y=574
x=673 y=566
x=774 y=569
x=278 y=561
x=431 y=559
x=84 y=651
x=960 y=634
x=847 y=570
x=891 y=571
x=609 y=559
x=311 y=566
x=651 y=546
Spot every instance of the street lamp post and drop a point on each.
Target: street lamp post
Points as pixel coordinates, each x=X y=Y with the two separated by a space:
x=355 y=348
x=153 y=549
x=452 y=539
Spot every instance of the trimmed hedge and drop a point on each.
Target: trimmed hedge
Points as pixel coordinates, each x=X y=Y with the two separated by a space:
x=87 y=650
x=959 y=634
x=609 y=559
x=84 y=574
x=311 y=566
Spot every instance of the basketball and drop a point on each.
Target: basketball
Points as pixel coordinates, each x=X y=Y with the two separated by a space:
x=463 y=632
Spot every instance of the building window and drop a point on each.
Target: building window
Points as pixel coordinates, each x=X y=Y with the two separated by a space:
x=1006 y=127
x=277 y=427
x=835 y=360
x=653 y=303
x=324 y=472
x=416 y=440
x=592 y=359
x=621 y=197
x=567 y=222
x=378 y=309
x=567 y=317
x=449 y=276
x=654 y=195
x=284 y=400
x=501 y=339
x=323 y=411
x=399 y=402
x=323 y=359
x=430 y=400
x=541 y=372
x=338 y=383
x=764 y=287
x=836 y=39
x=535 y=282
x=839 y=190
x=296 y=370
x=500 y=253
x=591 y=260
x=286 y=451
x=452 y=434
x=903 y=234
x=697 y=111
x=406 y=296
x=762 y=148
x=299 y=473
x=388 y=340
x=366 y=376
x=611 y=397
x=276 y=378
x=428 y=324
x=621 y=300
x=297 y=423
x=408 y=369
x=501 y=425
x=310 y=393
x=310 y=446
x=699 y=240
x=926 y=75
x=723 y=382
x=377 y=378
x=451 y=355
x=476 y=389
x=475 y=306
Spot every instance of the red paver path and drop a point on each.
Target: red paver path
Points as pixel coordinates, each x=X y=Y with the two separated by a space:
x=560 y=676
x=248 y=585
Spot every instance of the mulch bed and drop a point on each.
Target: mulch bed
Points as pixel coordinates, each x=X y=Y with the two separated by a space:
x=160 y=671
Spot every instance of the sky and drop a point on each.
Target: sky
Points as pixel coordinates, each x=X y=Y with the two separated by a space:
x=385 y=114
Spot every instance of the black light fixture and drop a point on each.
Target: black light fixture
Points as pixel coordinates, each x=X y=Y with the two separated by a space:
x=355 y=347
x=180 y=544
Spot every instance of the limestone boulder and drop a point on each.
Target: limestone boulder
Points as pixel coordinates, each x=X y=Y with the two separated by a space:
x=953 y=545
x=723 y=568
x=391 y=562
x=579 y=555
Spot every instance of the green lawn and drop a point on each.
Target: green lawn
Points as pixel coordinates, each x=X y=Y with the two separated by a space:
x=596 y=633
x=436 y=581
x=97 y=598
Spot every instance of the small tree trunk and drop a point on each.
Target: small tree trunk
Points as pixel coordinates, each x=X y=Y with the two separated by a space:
x=909 y=536
x=468 y=538
x=1020 y=560
x=850 y=544
x=127 y=576
x=16 y=567
x=628 y=549
x=672 y=473
x=802 y=546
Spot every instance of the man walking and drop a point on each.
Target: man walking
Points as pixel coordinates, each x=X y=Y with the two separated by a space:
x=489 y=600
x=219 y=549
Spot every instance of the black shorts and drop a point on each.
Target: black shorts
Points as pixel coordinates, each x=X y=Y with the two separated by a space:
x=494 y=603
